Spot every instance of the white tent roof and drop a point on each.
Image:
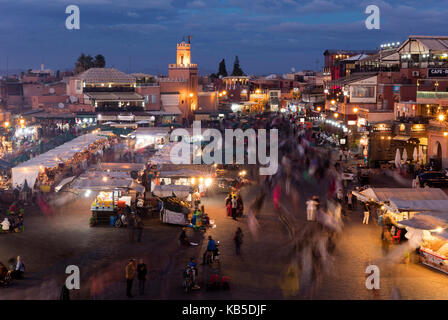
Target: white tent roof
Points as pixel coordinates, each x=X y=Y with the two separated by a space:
x=30 y=169
x=127 y=167
x=94 y=180
x=419 y=205
x=385 y=194
x=168 y=190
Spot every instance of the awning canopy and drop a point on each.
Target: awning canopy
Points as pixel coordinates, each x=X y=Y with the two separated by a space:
x=115 y=96
x=126 y=167
x=168 y=190
x=427 y=221
x=63 y=183
x=419 y=205
x=401 y=138
x=385 y=194
x=98 y=181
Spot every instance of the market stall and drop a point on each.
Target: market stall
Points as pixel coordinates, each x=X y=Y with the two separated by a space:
x=49 y=168
x=199 y=176
x=175 y=211
x=429 y=230
x=115 y=190
x=155 y=137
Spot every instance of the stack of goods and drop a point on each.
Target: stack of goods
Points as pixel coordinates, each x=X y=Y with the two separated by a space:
x=176 y=205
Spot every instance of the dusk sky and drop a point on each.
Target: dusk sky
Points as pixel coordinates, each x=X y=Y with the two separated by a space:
x=269 y=36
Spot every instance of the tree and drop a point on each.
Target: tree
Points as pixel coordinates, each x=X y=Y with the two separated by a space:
x=86 y=62
x=237 y=71
x=222 y=71
x=100 y=61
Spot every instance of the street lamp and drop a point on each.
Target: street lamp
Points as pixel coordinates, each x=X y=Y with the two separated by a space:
x=441 y=117
x=333 y=102
x=336 y=115
x=6 y=124
x=355 y=110
x=191 y=95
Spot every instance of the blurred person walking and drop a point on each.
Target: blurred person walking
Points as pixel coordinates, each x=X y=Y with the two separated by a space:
x=130 y=275
x=238 y=239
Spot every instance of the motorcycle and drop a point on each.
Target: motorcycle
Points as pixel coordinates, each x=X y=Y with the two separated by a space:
x=213 y=256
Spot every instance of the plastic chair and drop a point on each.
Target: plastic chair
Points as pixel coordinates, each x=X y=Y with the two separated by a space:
x=397 y=237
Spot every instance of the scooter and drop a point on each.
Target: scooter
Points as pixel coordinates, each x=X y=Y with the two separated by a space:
x=212 y=257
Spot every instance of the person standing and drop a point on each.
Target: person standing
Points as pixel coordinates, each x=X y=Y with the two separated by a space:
x=350 y=200
x=19 y=270
x=229 y=205
x=311 y=209
x=130 y=274
x=141 y=275
x=365 y=220
x=234 y=206
x=131 y=226
x=238 y=239
x=139 y=225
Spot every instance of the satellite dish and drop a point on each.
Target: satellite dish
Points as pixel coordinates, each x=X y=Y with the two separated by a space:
x=73 y=99
x=61 y=105
x=293 y=69
x=52 y=91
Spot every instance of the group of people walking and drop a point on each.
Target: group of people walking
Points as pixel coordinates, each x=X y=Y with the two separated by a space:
x=234 y=206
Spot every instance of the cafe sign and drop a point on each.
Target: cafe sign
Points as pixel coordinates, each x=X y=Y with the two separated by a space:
x=438 y=73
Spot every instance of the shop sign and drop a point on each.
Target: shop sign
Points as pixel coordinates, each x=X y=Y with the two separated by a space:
x=437 y=73
x=125 y=118
x=382 y=127
x=396 y=89
x=418 y=128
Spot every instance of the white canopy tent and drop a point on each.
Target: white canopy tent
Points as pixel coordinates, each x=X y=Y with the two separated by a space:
x=167 y=191
x=100 y=182
x=30 y=169
x=385 y=194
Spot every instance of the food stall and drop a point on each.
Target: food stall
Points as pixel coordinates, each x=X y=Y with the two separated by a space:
x=155 y=137
x=50 y=167
x=114 y=190
x=175 y=211
x=428 y=230
x=197 y=176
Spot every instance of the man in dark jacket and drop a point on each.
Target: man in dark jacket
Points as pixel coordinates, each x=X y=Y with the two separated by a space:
x=141 y=275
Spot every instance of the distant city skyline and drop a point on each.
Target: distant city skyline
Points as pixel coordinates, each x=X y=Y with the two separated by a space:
x=269 y=36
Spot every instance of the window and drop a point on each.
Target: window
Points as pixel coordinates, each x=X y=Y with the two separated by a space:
x=363 y=92
x=153 y=98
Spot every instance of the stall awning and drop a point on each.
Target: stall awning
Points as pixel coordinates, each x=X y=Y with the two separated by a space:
x=168 y=190
x=401 y=138
x=419 y=205
x=126 y=167
x=427 y=221
x=385 y=194
x=63 y=183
